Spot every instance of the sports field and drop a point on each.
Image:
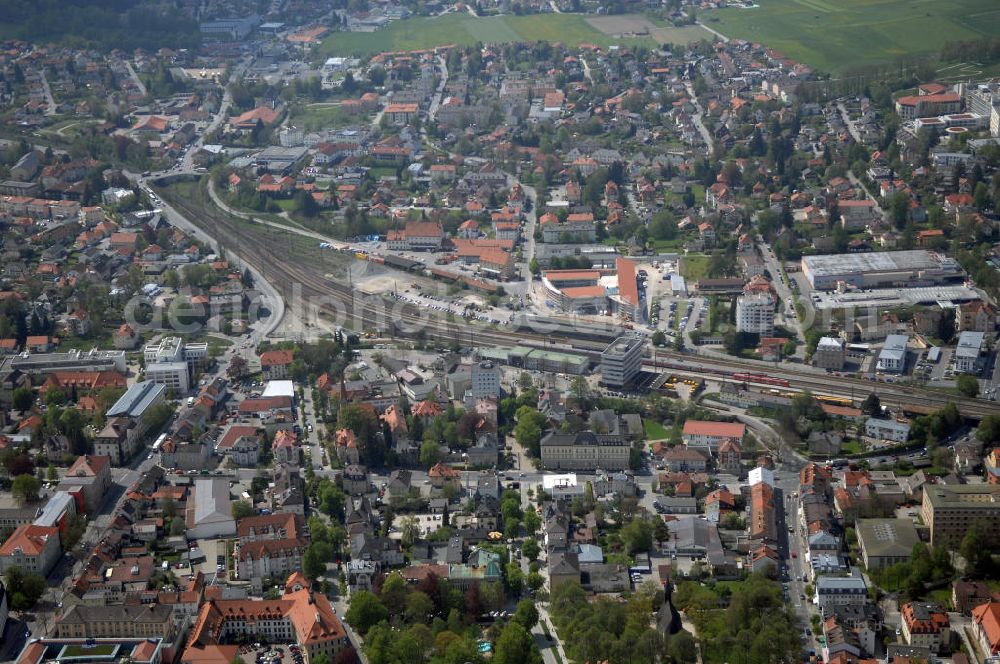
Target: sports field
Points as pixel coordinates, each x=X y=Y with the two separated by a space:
x=464 y=30
x=834 y=35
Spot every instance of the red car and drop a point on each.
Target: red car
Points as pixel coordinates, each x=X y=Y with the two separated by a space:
x=794 y=555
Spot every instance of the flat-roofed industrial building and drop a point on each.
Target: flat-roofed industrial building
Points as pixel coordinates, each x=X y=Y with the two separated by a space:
x=881 y=269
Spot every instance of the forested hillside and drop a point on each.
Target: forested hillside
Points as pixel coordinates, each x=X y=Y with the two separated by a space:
x=103 y=24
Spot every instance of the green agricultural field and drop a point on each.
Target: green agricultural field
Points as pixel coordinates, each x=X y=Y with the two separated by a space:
x=836 y=35
x=465 y=30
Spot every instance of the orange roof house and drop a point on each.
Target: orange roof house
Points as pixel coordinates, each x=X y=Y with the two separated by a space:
x=270 y=526
x=273 y=358
x=441 y=474
x=29 y=424
x=345 y=438
x=124 y=239
x=284 y=438
x=924 y=618
x=87 y=405
x=986 y=619
x=153 y=123
x=234 y=433
x=427 y=409
x=88 y=466
x=395 y=419
x=249 y=120
x=29 y=539
x=32 y=547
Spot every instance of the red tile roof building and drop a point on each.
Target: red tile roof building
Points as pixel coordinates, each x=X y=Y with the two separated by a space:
x=345 y=443
x=269 y=527
x=285 y=446
x=925 y=625
x=300 y=616
x=628 y=288
x=923 y=106
x=986 y=625
x=250 y=119
x=400 y=114
x=83 y=380
x=426 y=409
x=33 y=549
x=266 y=405
x=712 y=434
x=91 y=475
x=275 y=363
x=763 y=524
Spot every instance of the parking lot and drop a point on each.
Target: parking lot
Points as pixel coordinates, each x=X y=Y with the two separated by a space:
x=426 y=523
x=939 y=370
x=263 y=653
x=667 y=318
x=462 y=307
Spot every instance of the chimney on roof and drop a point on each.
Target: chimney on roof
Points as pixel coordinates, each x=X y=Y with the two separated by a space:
x=317 y=618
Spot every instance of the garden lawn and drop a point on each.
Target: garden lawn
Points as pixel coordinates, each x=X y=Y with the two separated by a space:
x=313 y=117
x=654 y=430
x=694 y=267
x=103 y=650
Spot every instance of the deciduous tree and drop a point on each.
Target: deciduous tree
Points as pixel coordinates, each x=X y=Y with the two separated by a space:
x=365 y=612
x=25 y=488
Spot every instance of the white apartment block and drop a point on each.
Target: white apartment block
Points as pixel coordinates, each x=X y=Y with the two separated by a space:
x=891 y=430
x=621 y=361
x=173 y=349
x=840 y=591
x=892 y=358
x=755 y=314
x=172 y=375
x=172 y=362
x=968 y=351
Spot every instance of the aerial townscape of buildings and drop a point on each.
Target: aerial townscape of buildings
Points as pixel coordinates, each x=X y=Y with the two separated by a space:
x=629 y=351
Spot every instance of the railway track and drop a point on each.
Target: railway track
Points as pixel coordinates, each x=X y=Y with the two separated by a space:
x=843 y=386
x=339 y=301
x=398 y=319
